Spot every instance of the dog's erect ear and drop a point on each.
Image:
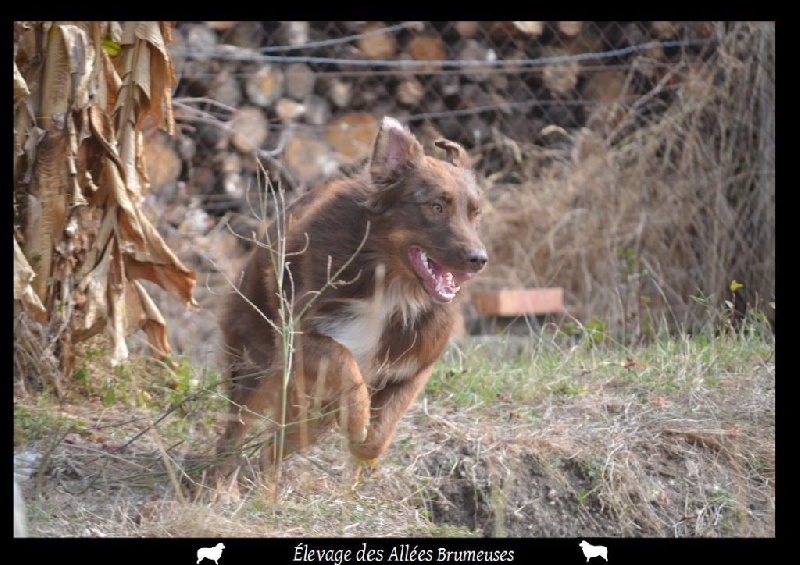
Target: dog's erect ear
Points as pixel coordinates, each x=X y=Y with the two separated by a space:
x=455 y=153
x=396 y=149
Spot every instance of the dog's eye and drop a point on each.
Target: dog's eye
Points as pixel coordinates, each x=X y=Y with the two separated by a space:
x=437 y=207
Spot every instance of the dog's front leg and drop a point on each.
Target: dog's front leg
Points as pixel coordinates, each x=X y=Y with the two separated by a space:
x=388 y=405
x=336 y=384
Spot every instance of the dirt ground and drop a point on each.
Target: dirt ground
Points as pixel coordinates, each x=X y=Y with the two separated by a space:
x=443 y=470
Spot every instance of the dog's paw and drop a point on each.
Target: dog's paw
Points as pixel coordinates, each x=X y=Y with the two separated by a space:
x=371 y=463
x=362 y=465
x=365 y=452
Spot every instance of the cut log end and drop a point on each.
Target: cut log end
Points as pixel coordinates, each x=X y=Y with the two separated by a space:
x=352 y=136
x=570 y=29
x=250 y=129
x=377 y=45
x=289 y=110
x=338 y=92
x=531 y=29
x=410 y=92
x=298 y=81
x=318 y=110
x=426 y=47
x=467 y=29
x=308 y=158
x=472 y=51
x=265 y=86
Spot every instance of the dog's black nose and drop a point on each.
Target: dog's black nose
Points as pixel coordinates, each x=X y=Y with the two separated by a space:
x=477 y=259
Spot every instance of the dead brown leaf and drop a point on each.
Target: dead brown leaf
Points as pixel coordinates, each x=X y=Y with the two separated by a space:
x=81 y=175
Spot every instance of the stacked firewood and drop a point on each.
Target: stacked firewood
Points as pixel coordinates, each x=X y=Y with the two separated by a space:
x=301 y=102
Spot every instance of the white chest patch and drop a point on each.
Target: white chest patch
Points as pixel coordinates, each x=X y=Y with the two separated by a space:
x=361 y=327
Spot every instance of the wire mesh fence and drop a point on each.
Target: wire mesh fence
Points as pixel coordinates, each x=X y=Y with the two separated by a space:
x=463 y=80
x=597 y=141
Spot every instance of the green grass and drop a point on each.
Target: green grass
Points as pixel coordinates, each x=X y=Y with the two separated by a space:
x=551 y=368
x=33 y=422
x=594 y=407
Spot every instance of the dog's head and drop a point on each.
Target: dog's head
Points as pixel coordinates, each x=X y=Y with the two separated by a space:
x=428 y=211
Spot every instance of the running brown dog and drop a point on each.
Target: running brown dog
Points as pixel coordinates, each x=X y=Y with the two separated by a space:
x=400 y=238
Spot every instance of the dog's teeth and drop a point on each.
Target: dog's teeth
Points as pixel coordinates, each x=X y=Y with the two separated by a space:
x=424 y=257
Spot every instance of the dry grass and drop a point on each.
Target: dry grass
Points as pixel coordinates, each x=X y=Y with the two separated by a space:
x=673 y=439
x=674 y=198
x=554 y=437
x=35 y=363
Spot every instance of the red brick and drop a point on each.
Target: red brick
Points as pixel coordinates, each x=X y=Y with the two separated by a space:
x=519 y=302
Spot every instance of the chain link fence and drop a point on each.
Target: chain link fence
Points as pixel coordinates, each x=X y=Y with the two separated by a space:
x=612 y=137
x=467 y=81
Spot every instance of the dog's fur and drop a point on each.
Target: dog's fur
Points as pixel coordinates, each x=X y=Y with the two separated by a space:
x=367 y=343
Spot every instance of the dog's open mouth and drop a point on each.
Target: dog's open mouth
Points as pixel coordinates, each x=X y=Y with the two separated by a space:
x=441 y=284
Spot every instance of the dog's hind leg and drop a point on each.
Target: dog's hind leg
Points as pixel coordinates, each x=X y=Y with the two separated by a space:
x=249 y=396
x=300 y=428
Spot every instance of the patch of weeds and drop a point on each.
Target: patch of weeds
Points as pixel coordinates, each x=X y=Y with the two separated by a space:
x=442 y=380
x=520 y=379
x=94 y=351
x=176 y=382
x=728 y=319
x=81 y=376
x=32 y=423
x=760 y=465
x=178 y=386
x=110 y=386
x=728 y=513
x=595 y=330
x=571 y=333
x=526 y=413
x=584 y=496
x=463 y=387
x=647 y=383
x=592 y=470
x=568 y=329
x=405 y=443
x=567 y=389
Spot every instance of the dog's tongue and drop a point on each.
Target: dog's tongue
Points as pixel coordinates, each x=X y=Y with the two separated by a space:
x=440 y=283
x=461 y=276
